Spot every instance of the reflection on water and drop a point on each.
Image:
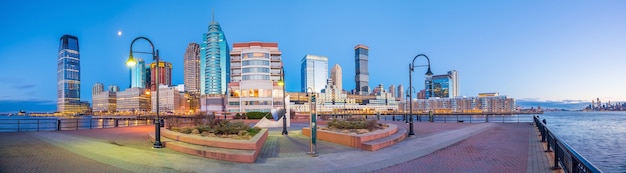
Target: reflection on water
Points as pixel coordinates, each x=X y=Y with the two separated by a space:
x=597 y=136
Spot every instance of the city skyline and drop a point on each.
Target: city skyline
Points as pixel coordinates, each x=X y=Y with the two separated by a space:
x=533 y=50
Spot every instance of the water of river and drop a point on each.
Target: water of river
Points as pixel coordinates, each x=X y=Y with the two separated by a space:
x=600 y=137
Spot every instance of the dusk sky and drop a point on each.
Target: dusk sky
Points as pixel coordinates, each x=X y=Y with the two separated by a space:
x=572 y=51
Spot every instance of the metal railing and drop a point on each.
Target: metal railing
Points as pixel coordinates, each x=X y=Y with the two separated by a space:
x=52 y=124
x=564 y=155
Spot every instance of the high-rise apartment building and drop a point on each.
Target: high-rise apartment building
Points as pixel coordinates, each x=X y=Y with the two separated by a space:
x=97 y=88
x=454 y=83
x=392 y=91
x=400 y=92
x=256 y=70
x=68 y=75
x=336 y=77
x=138 y=76
x=192 y=75
x=165 y=74
x=192 y=68
x=314 y=72
x=214 y=61
x=442 y=86
x=362 y=73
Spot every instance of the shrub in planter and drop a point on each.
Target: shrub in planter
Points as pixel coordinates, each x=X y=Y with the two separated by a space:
x=354 y=124
x=259 y=115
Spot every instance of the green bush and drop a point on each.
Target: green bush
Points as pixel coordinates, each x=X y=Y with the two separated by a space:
x=254 y=131
x=354 y=124
x=259 y=115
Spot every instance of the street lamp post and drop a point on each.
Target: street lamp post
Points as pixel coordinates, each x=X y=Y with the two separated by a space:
x=428 y=73
x=312 y=122
x=155 y=57
x=282 y=82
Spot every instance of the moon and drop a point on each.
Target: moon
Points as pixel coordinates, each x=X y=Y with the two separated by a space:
x=119 y=33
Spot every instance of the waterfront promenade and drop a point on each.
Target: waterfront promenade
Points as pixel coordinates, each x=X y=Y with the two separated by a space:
x=436 y=147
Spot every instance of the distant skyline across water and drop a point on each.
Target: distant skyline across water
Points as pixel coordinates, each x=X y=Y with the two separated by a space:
x=551 y=52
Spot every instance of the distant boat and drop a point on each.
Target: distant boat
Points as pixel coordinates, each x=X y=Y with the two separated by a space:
x=22 y=113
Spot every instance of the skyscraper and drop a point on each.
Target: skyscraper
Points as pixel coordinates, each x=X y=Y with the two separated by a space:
x=336 y=77
x=401 y=92
x=192 y=75
x=165 y=74
x=192 y=68
x=314 y=72
x=138 y=71
x=362 y=73
x=68 y=75
x=454 y=83
x=392 y=91
x=214 y=61
x=97 y=88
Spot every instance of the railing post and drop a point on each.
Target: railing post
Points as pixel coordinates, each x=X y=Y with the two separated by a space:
x=115 y=122
x=549 y=136
x=58 y=125
x=90 y=123
x=556 y=155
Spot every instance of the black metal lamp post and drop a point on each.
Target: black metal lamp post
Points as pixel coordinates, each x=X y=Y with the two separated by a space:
x=428 y=73
x=155 y=57
x=282 y=82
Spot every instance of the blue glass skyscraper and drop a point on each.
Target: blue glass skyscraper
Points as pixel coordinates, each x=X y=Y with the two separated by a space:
x=138 y=71
x=314 y=72
x=443 y=86
x=214 y=61
x=68 y=75
x=362 y=73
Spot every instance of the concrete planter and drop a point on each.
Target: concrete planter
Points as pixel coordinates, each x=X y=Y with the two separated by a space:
x=235 y=150
x=371 y=141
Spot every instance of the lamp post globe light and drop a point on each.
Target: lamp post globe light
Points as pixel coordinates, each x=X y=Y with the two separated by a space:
x=155 y=57
x=282 y=83
x=428 y=73
x=130 y=63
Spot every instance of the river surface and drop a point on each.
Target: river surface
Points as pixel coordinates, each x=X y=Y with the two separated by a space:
x=600 y=137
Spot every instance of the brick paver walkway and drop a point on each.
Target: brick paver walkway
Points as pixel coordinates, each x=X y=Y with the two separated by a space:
x=495 y=150
x=23 y=152
x=436 y=147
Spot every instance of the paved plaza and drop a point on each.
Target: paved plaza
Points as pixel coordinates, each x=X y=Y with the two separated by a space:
x=436 y=147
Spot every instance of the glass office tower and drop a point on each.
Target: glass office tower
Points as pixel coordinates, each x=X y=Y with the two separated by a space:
x=68 y=75
x=214 y=61
x=362 y=74
x=314 y=72
x=138 y=79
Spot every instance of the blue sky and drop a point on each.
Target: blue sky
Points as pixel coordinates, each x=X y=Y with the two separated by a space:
x=528 y=50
